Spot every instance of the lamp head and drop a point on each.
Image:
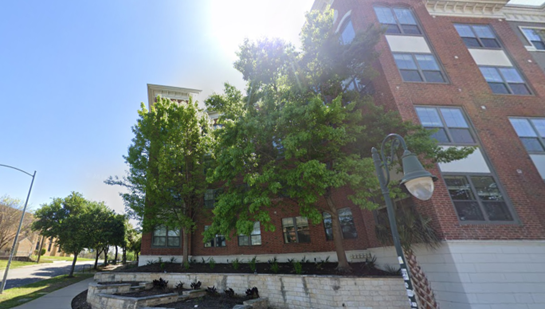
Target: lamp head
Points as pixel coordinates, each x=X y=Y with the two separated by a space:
x=418 y=181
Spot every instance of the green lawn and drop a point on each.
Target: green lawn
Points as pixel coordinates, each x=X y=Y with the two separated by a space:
x=17 y=296
x=44 y=259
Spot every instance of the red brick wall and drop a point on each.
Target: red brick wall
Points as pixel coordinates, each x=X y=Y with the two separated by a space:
x=468 y=89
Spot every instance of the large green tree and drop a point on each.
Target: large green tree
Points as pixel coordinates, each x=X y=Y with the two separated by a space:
x=304 y=130
x=66 y=220
x=167 y=161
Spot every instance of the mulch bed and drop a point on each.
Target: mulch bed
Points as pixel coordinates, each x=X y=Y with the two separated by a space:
x=208 y=302
x=358 y=269
x=80 y=301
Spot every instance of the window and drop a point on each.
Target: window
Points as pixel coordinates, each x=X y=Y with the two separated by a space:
x=504 y=80
x=209 y=198
x=398 y=20
x=450 y=123
x=296 y=230
x=165 y=237
x=347 y=224
x=534 y=37
x=477 y=198
x=348 y=33
x=419 y=68
x=477 y=36
x=531 y=132
x=254 y=239
x=217 y=241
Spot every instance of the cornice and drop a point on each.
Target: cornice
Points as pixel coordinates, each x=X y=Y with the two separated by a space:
x=524 y=13
x=466 y=8
x=169 y=92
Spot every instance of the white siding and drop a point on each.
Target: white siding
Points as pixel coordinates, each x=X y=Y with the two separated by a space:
x=490 y=57
x=408 y=44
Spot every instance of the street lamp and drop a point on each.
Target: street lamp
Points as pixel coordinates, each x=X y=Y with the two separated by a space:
x=416 y=179
x=18 y=229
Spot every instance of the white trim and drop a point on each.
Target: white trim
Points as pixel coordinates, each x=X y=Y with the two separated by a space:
x=342 y=20
x=530 y=47
x=169 y=92
x=490 y=57
x=407 y=44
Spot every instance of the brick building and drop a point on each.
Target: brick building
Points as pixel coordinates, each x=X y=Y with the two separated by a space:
x=475 y=71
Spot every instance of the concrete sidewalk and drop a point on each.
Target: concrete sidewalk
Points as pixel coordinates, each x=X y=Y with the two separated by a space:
x=60 y=299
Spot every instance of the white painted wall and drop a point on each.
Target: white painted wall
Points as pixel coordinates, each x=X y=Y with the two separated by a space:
x=490 y=57
x=408 y=44
x=482 y=274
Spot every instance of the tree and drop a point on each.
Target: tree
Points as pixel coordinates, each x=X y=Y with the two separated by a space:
x=68 y=221
x=135 y=244
x=108 y=229
x=167 y=160
x=413 y=228
x=304 y=131
x=10 y=216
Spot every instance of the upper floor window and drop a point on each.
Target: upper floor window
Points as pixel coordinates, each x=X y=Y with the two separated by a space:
x=477 y=36
x=347 y=32
x=254 y=239
x=210 y=197
x=165 y=237
x=419 y=68
x=504 y=80
x=397 y=20
x=534 y=37
x=347 y=224
x=450 y=123
x=217 y=241
x=477 y=198
x=531 y=132
x=296 y=230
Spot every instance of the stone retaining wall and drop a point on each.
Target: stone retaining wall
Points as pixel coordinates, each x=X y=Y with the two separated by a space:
x=291 y=291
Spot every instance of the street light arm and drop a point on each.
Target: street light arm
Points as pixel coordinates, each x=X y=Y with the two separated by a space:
x=20 y=170
x=389 y=160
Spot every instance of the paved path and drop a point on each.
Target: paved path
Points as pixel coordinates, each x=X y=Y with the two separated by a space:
x=29 y=274
x=60 y=299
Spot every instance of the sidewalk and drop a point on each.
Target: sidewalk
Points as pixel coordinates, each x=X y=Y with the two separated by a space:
x=60 y=299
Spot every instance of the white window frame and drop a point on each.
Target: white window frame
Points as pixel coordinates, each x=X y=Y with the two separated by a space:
x=531 y=47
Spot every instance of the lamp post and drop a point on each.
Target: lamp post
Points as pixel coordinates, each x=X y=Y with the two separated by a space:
x=18 y=229
x=418 y=181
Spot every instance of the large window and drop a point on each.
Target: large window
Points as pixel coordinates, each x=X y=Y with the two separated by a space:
x=531 y=132
x=534 y=37
x=397 y=20
x=480 y=36
x=347 y=32
x=419 y=68
x=254 y=239
x=217 y=241
x=347 y=224
x=450 y=123
x=504 y=80
x=210 y=196
x=477 y=198
x=165 y=237
x=296 y=230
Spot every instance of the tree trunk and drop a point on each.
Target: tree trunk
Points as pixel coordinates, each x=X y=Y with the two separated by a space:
x=73 y=265
x=137 y=258
x=40 y=250
x=342 y=265
x=96 y=258
x=115 y=258
x=124 y=256
x=422 y=288
x=105 y=255
x=185 y=245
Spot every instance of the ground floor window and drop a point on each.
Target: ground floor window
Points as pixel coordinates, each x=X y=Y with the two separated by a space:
x=296 y=230
x=347 y=224
x=217 y=241
x=166 y=237
x=254 y=239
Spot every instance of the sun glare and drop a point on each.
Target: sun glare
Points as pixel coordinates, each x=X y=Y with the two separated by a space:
x=232 y=21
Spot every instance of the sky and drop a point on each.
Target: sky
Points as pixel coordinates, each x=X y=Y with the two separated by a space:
x=73 y=75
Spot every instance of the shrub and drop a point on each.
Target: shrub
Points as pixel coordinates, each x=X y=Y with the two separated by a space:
x=252 y=263
x=252 y=293
x=298 y=267
x=235 y=263
x=160 y=284
x=275 y=268
x=196 y=285
x=212 y=263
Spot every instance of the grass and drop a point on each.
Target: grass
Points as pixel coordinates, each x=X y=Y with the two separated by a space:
x=43 y=259
x=17 y=296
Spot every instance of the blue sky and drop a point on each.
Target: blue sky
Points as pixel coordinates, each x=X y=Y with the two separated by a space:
x=73 y=74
